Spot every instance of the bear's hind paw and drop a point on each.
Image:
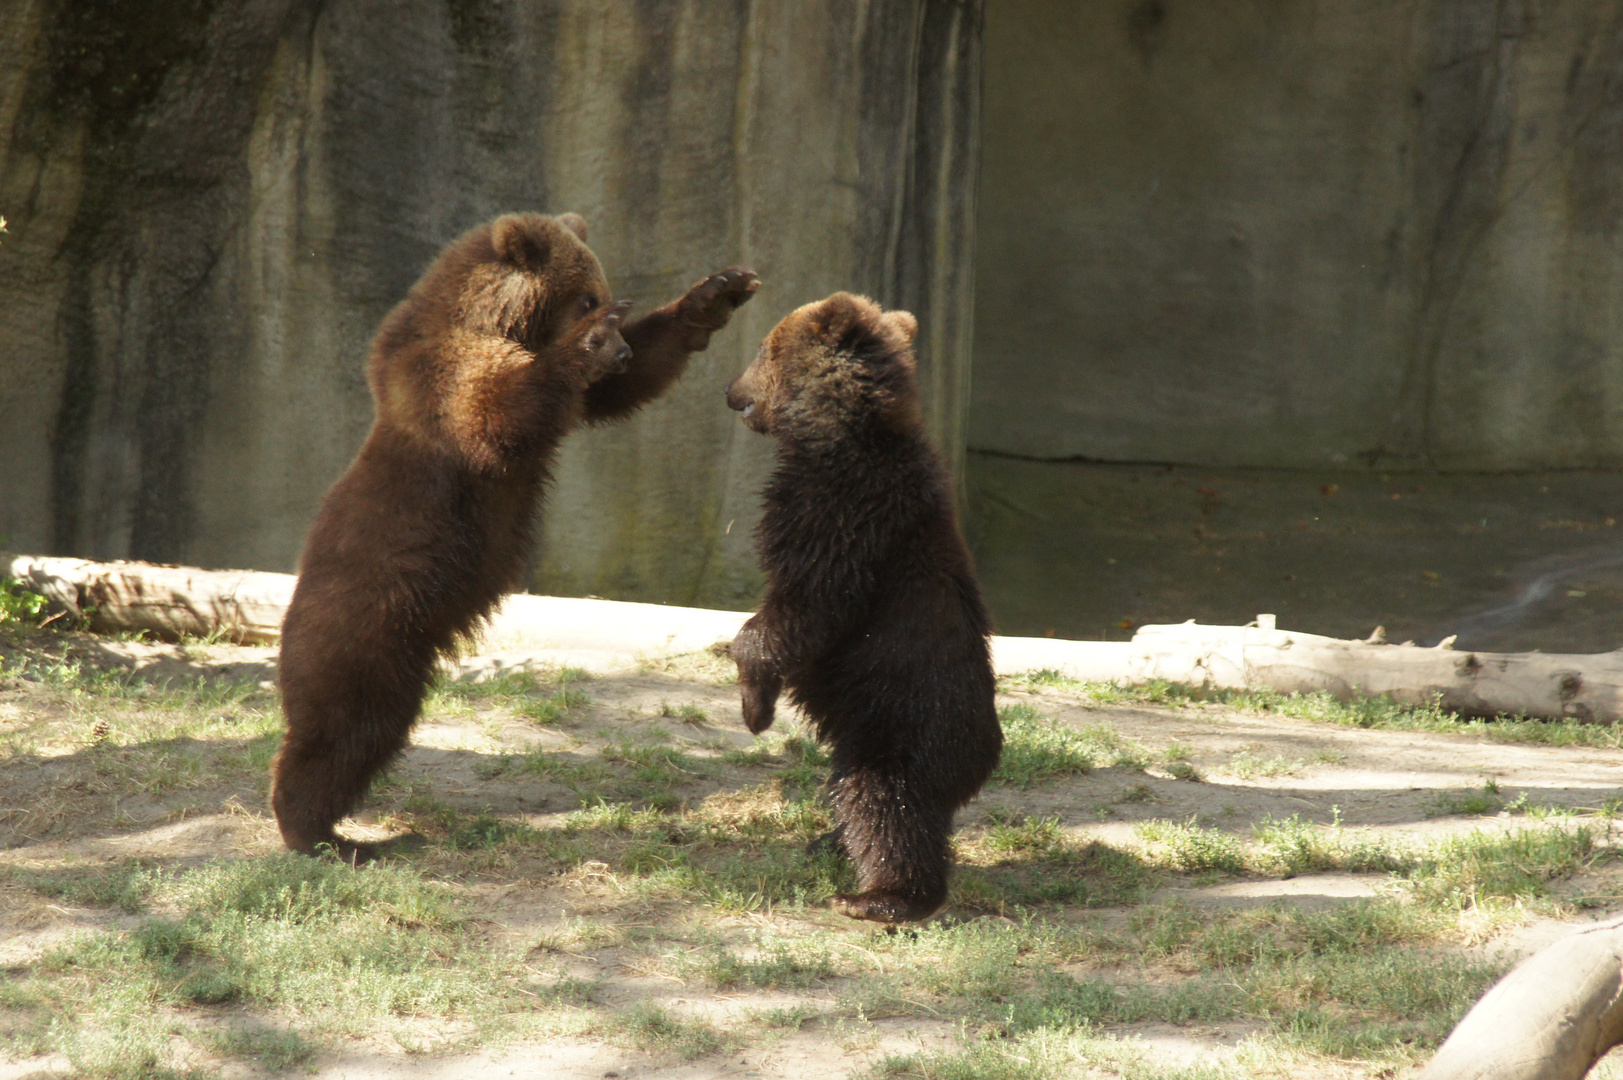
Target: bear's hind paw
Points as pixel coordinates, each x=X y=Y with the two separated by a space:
x=887 y=907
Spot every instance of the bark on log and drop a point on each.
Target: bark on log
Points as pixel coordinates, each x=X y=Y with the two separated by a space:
x=168 y=601
x=1549 y=686
x=1545 y=686
x=1551 y=1018
x=171 y=601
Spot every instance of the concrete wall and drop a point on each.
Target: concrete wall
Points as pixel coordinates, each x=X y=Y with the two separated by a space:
x=211 y=205
x=1302 y=232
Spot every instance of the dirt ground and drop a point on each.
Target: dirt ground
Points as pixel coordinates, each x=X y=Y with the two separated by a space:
x=1252 y=767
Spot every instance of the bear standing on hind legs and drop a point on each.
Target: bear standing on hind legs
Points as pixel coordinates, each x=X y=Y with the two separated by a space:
x=509 y=340
x=872 y=619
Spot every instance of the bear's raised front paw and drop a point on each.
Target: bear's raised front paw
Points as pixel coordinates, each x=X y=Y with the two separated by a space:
x=711 y=302
x=876 y=905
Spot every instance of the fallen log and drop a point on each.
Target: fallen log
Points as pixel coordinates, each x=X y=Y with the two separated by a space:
x=247 y=606
x=238 y=605
x=1548 y=686
x=169 y=602
x=1551 y=1018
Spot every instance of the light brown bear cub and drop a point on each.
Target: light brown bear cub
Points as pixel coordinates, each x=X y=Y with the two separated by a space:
x=510 y=339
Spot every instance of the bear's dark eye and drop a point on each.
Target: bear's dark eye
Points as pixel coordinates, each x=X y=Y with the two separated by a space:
x=589 y=303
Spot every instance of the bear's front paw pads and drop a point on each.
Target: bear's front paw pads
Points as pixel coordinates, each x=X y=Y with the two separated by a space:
x=711 y=302
x=876 y=905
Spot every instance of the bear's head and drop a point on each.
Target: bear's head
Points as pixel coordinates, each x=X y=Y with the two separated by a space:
x=541 y=287
x=830 y=369
x=512 y=312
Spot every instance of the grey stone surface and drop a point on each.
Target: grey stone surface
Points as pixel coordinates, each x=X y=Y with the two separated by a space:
x=1299 y=234
x=211 y=206
x=1506 y=562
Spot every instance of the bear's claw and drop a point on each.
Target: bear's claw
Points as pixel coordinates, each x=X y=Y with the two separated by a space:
x=711 y=302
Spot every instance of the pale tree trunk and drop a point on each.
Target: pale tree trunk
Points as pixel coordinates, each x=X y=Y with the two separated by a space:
x=167 y=601
x=1551 y=1018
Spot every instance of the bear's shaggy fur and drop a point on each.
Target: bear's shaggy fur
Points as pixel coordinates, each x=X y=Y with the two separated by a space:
x=872 y=619
x=509 y=340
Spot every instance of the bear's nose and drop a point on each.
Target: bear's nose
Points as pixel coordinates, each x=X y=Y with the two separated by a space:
x=727 y=391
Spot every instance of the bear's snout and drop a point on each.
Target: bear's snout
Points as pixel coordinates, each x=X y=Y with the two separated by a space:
x=605 y=343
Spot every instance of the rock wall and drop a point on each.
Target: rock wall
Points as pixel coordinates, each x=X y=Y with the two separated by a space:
x=211 y=206
x=1251 y=232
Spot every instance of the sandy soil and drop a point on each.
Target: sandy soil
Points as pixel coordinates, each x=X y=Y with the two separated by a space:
x=1394 y=782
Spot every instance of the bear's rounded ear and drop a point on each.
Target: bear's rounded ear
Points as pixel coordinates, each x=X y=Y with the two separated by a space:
x=575 y=224
x=521 y=239
x=836 y=317
x=903 y=323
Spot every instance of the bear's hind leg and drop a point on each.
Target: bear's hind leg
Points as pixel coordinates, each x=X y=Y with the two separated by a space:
x=330 y=755
x=896 y=841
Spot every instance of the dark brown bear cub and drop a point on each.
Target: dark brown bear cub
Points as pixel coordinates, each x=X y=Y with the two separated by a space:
x=872 y=619
x=510 y=339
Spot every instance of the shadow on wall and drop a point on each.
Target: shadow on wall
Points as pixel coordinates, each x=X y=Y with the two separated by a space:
x=1507 y=562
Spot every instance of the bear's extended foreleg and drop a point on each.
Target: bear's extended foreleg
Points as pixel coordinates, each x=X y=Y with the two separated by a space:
x=897 y=839
x=662 y=341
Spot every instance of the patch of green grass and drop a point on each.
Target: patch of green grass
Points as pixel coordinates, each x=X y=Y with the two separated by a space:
x=575 y=770
x=1477 y=869
x=1187 y=846
x=19 y=604
x=125 y=885
x=688 y=714
x=1038 y=750
x=779 y=965
x=1042 y=1052
x=1039 y=837
x=1456 y=873
x=1359 y=977
x=793 y=1017
x=351 y=953
x=653 y=762
x=458 y=831
x=543 y=697
x=801 y=763
x=1473 y=801
x=1021 y=863
x=1292 y=846
x=652 y=1027
x=272 y=1048
x=1182 y=770
x=721 y=855
x=1248 y=765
